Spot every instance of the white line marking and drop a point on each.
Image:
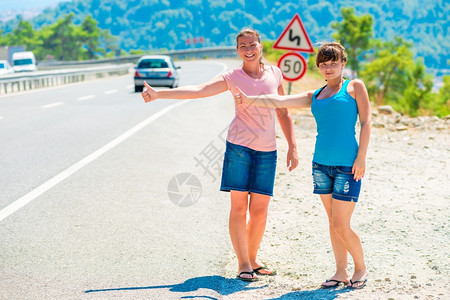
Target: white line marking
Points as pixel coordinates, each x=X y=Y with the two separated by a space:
x=24 y=200
x=130 y=86
x=110 y=92
x=85 y=97
x=52 y=105
x=1 y=117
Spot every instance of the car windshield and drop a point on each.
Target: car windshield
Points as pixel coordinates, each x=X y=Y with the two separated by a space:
x=153 y=64
x=21 y=62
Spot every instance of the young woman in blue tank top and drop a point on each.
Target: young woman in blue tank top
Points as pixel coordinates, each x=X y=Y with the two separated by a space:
x=339 y=163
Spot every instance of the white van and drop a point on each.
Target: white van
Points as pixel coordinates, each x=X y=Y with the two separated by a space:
x=24 y=61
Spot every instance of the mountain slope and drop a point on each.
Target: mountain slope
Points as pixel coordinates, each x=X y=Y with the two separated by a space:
x=157 y=24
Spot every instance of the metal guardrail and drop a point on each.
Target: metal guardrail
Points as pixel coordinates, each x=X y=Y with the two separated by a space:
x=23 y=82
x=209 y=52
x=84 y=70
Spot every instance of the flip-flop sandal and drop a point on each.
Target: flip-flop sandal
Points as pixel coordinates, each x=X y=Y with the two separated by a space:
x=247 y=279
x=274 y=272
x=357 y=281
x=337 y=283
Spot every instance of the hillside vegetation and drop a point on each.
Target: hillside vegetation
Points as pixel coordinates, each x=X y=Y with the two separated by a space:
x=393 y=71
x=163 y=24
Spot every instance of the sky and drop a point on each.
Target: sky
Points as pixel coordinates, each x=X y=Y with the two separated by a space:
x=21 y=5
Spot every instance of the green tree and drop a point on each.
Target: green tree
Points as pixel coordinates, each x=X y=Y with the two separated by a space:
x=23 y=35
x=393 y=76
x=311 y=62
x=3 y=38
x=386 y=72
x=442 y=104
x=109 y=43
x=63 y=39
x=90 y=35
x=354 y=33
x=93 y=38
x=418 y=95
x=270 y=54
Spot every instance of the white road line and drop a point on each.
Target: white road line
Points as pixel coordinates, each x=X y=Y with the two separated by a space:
x=24 y=200
x=52 y=105
x=110 y=92
x=130 y=86
x=1 y=117
x=85 y=98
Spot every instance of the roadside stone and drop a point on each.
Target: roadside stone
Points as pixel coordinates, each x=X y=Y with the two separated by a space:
x=400 y=128
x=385 y=117
x=386 y=109
x=378 y=125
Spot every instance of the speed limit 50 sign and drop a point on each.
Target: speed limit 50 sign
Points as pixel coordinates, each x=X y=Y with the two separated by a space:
x=292 y=65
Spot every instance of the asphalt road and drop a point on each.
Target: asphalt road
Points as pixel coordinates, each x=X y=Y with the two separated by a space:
x=90 y=205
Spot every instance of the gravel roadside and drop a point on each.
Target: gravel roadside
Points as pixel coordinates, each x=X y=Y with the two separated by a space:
x=402 y=219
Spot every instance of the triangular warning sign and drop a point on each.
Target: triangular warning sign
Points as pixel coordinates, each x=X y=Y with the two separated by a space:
x=294 y=37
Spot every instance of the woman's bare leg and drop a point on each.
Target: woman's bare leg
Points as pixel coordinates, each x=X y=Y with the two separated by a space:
x=256 y=226
x=238 y=230
x=341 y=215
x=339 y=250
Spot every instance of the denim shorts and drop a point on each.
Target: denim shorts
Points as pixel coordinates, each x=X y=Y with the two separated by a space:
x=245 y=169
x=336 y=180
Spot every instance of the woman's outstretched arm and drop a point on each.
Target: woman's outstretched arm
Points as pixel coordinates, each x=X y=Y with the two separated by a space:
x=302 y=100
x=213 y=87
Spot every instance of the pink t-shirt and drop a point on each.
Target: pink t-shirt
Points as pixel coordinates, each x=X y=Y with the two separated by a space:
x=253 y=126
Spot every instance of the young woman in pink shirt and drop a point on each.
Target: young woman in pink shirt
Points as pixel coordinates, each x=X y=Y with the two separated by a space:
x=250 y=156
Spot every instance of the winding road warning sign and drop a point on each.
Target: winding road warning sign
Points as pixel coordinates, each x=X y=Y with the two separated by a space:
x=294 y=37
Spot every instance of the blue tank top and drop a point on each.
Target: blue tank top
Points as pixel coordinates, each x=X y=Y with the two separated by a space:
x=335 y=117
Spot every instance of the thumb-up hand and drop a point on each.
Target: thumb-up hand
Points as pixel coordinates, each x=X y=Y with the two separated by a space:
x=149 y=94
x=240 y=97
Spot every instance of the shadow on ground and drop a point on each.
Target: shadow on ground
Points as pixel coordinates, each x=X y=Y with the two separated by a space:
x=223 y=286
x=325 y=294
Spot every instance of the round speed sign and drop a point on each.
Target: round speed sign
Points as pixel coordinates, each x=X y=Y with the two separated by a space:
x=292 y=65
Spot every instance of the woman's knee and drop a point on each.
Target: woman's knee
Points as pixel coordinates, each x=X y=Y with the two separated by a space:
x=342 y=229
x=258 y=214
x=238 y=210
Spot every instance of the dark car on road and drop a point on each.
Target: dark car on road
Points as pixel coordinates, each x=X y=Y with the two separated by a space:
x=156 y=70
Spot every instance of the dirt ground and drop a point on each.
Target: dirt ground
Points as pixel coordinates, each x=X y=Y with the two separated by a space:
x=402 y=218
